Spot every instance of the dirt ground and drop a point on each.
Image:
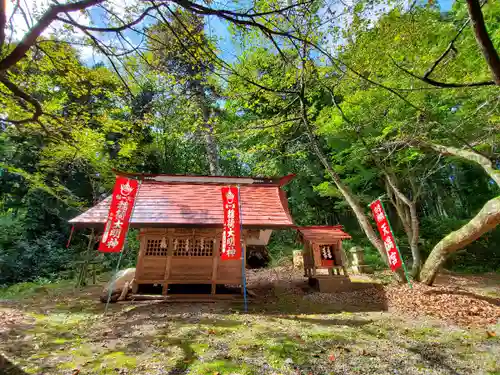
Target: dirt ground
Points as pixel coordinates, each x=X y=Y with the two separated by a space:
x=289 y=329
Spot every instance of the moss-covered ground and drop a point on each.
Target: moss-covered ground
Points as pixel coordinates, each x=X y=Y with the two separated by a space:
x=61 y=331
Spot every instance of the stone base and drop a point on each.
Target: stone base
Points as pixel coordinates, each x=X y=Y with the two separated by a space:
x=336 y=284
x=298 y=259
x=361 y=269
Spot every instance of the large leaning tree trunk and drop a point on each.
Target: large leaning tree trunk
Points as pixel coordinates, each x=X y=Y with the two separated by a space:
x=485 y=220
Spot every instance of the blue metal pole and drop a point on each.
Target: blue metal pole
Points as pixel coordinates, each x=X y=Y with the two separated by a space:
x=243 y=254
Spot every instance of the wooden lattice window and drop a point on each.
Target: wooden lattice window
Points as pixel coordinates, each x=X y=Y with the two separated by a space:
x=203 y=247
x=199 y=247
x=181 y=247
x=154 y=248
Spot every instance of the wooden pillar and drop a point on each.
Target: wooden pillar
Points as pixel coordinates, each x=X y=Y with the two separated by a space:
x=170 y=253
x=343 y=257
x=316 y=257
x=140 y=258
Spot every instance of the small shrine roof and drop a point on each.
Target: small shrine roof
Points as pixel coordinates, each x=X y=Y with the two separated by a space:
x=323 y=233
x=179 y=201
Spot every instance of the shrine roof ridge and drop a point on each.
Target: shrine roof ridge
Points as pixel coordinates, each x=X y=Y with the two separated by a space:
x=201 y=179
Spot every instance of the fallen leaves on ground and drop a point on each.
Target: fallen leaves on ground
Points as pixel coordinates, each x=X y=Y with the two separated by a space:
x=452 y=304
x=9 y=318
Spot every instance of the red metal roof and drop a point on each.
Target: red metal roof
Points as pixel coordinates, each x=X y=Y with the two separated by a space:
x=323 y=234
x=197 y=204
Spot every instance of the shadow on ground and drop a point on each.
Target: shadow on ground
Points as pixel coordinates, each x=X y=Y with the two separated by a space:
x=8 y=368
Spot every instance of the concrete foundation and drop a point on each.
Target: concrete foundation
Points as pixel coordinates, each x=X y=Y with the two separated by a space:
x=337 y=284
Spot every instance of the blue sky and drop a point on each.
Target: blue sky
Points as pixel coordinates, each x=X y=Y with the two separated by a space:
x=229 y=49
x=217 y=28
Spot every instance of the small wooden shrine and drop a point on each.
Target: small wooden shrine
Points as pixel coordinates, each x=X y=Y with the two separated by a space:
x=325 y=262
x=180 y=219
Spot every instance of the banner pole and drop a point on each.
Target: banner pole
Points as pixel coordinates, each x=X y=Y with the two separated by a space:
x=123 y=250
x=397 y=247
x=70 y=236
x=243 y=254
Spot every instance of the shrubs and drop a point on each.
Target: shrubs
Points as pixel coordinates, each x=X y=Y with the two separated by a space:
x=24 y=259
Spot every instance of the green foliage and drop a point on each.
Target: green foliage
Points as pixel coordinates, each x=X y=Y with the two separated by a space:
x=28 y=258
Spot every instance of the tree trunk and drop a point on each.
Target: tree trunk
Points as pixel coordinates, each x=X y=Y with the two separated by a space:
x=486 y=219
x=483 y=40
x=351 y=199
x=410 y=222
x=472 y=156
x=208 y=135
x=415 y=251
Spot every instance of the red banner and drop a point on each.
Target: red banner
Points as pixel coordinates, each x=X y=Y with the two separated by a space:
x=231 y=243
x=386 y=233
x=122 y=203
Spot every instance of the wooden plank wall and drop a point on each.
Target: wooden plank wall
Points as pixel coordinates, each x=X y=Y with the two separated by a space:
x=166 y=268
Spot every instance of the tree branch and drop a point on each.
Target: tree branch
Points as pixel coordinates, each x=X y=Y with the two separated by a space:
x=104 y=52
x=483 y=40
x=479 y=159
x=110 y=29
x=26 y=97
x=3 y=22
x=209 y=53
x=225 y=13
x=272 y=125
x=30 y=37
x=433 y=82
x=449 y=48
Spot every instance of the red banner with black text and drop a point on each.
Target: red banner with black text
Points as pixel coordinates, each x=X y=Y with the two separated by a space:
x=231 y=236
x=386 y=234
x=120 y=210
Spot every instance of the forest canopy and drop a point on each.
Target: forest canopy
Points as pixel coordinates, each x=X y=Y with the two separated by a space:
x=360 y=100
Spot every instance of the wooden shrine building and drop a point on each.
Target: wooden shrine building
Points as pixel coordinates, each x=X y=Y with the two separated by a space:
x=325 y=262
x=180 y=219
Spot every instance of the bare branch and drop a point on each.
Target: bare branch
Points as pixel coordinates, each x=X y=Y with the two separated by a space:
x=227 y=13
x=105 y=51
x=211 y=54
x=433 y=82
x=273 y=125
x=449 y=48
x=29 y=39
x=110 y=29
